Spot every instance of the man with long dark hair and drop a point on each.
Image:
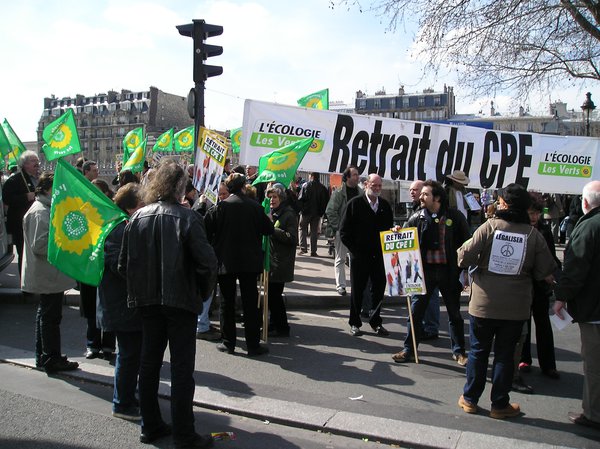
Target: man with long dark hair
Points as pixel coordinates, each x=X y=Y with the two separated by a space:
x=170 y=267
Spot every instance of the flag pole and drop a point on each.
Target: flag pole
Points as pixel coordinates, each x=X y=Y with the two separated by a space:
x=412 y=327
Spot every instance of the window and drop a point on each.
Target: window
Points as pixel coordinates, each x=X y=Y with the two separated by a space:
x=437 y=101
x=405 y=102
x=421 y=102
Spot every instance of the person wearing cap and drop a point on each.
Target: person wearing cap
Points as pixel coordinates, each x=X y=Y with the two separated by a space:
x=441 y=231
x=503 y=257
x=578 y=291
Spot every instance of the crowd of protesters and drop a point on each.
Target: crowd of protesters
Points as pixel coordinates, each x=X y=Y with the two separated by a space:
x=177 y=253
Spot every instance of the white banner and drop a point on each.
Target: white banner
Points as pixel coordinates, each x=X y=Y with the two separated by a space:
x=405 y=150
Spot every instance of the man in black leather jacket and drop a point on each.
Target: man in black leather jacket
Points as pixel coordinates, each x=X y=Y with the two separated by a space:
x=170 y=267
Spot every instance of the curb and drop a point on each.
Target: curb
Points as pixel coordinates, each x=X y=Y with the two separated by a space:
x=382 y=430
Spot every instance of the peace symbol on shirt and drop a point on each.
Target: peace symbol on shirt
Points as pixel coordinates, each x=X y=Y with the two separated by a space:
x=507 y=250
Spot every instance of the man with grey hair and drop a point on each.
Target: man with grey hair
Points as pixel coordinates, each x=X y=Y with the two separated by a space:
x=18 y=194
x=578 y=290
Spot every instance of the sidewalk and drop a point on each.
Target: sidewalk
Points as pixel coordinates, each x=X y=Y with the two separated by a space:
x=324 y=379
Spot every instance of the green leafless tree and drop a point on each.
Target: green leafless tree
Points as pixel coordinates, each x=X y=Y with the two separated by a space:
x=508 y=45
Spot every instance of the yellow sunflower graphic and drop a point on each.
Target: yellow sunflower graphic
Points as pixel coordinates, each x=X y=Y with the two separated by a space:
x=586 y=172
x=136 y=157
x=283 y=162
x=164 y=141
x=133 y=141
x=316 y=146
x=185 y=139
x=237 y=138
x=62 y=137
x=77 y=225
x=314 y=103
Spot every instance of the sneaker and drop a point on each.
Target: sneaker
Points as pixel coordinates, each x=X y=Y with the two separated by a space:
x=60 y=364
x=355 y=331
x=212 y=334
x=91 y=353
x=402 y=357
x=197 y=441
x=510 y=411
x=381 y=331
x=149 y=436
x=259 y=350
x=224 y=348
x=131 y=414
x=520 y=386
x=467 y=406
x=460 y=358
x=341 y=291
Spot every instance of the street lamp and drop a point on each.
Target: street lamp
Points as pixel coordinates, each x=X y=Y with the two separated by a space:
x=587 y=107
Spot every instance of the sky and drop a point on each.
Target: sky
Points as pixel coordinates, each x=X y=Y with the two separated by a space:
x=273 y=50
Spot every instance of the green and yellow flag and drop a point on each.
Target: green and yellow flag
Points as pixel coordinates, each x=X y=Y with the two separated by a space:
x=131 y=141
x=236 y=139
x=4 y=147
x=164 y=142
x=317 y=100
x=81 y=217
x=61 y=137
x=281 y=165
x=184 y=140
x=16 y=146
x=135 y=163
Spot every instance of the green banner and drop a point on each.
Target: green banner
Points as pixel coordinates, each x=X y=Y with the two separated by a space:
x=184 y=140
x=164 y=142
x=317 y=100
x=16 y=145
x=281 y=165
x=61 y=137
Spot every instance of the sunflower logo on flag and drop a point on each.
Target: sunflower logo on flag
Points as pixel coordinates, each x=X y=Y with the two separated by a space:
x=164 y=141
x=133 y=141
x=61 y=137
x=586 y=172
x=315 y=103
x=280 y=163
x=185 y=139
x=77 y=224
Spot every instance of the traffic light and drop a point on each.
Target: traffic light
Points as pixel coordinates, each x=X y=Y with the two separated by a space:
x=199 y=31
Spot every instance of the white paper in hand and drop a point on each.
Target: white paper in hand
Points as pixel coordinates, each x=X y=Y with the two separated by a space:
x=559 y=323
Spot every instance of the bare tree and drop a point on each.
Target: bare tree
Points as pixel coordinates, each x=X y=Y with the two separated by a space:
x=509 y=45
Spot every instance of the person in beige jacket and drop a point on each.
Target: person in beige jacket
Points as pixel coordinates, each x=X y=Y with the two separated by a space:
x=40 y=278
x=504 y=255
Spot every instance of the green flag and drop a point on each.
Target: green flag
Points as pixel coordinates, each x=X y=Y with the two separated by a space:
x=16 y=146
x=61 y=137
x=317 y=100
x=131 y=141
x=164 y=142
x=281 y=165
x=184 y=140
x=266 y=240
x=236 y=139
x=81 y=217
x=4 y=147
x=135 y=163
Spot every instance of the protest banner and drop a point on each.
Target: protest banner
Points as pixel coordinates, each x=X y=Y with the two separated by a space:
x=209 y=162
x=402 y=262
x=409 y=150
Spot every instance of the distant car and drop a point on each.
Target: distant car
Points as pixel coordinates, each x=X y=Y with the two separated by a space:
x=6 y=249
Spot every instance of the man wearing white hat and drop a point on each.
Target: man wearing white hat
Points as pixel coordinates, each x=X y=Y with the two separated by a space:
x=455 y=189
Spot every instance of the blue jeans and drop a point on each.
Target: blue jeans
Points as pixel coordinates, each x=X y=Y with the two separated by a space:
x=177 y=327
x=203 y=319
x=446 y=279
x=127 y=368
x=431 y=319
x=504 y=335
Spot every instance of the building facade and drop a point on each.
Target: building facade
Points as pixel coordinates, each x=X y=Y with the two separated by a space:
x=427 y=105
x=104 y=119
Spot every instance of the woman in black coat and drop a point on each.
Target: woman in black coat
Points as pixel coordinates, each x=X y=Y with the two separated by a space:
x=283 y=257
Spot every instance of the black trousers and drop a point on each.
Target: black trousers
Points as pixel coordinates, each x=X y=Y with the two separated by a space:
x=177 y=327
x=363 y=269
x=278 y=319
x=47 y=328
x=249 y=294
x=544 y=338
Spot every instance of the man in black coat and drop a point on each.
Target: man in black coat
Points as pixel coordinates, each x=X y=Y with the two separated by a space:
x=18 y=193
x=366 y=216
x=235 y=227
x=313 y=200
